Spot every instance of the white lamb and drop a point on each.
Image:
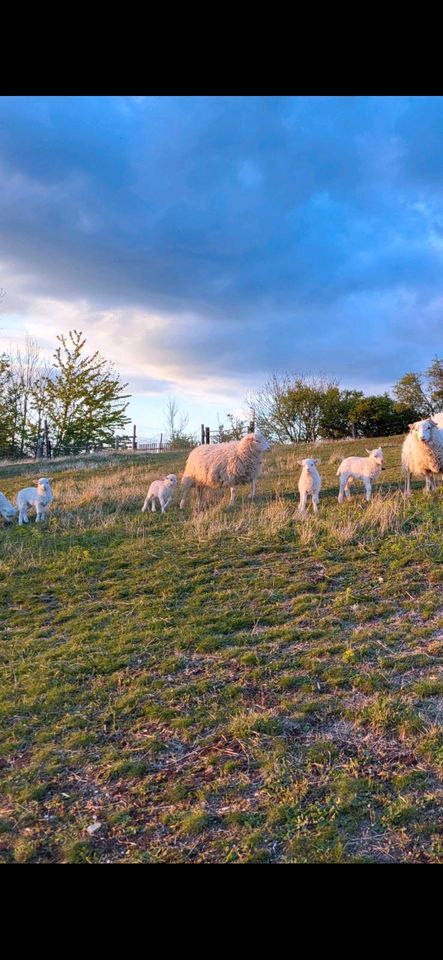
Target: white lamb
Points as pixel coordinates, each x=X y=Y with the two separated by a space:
x=38 y=497
x=225 y=465
x=7 y=509
x=161 y=490
x=309 y=484
x=366 y=469
x=422 y=453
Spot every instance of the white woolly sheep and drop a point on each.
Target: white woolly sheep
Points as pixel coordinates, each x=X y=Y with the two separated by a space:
x=38 y=497
x=366 y=469
x=225 y=465
x=7 y=509
x=422 y=453
x=309 y=484
x=161 y=490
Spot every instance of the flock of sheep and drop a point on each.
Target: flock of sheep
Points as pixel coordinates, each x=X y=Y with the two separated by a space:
x=240 y=461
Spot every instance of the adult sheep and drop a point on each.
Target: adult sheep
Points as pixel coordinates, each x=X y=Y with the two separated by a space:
x=422 y=453
x=225 y=465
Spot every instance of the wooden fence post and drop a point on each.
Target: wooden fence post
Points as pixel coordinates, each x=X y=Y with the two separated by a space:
x=203 y=433
x=116 y=442
x=134 y=437
x=161 y=442
x=208 y=435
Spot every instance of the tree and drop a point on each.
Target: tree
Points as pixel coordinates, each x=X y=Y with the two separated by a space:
x=84 y=397
x=235 y=431
x=337 y=417
x=290 y=407
x=176 y=424
x=435 y=381
x=409 y=390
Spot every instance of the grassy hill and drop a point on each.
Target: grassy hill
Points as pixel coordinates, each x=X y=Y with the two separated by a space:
x=235 y=685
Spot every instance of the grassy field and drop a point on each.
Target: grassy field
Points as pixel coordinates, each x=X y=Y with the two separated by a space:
x=231 y=686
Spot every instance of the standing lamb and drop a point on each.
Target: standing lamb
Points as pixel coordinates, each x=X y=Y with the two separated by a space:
x=366 y=469
x=39 y=497
x=7 y=509
x=162 y=490
x=225 y=465
x=422 y=453
x=309 y=484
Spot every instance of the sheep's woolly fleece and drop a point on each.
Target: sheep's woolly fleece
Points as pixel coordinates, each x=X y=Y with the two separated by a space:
x=7 y=509
x=226 y=464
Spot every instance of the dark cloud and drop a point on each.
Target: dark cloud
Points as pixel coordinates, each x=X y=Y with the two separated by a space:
x=270 y=232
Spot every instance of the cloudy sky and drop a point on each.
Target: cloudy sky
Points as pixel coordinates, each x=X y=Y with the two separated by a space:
x=203 y=243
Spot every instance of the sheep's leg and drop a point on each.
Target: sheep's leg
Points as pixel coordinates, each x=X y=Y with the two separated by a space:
x=343 y=487
x=186 y=484
x=251 y=495
x=348 y=487
x=233 y=496
x=408 y=483
x=145 y=505
x=303 y=501
x=315 y=502
x=23 y=516
x=367 y=484
x=153 y=507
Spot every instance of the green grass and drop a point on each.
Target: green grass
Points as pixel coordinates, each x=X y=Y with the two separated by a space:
x=235 y=685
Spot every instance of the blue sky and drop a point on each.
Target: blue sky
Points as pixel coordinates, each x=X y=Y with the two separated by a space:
x=203 y=243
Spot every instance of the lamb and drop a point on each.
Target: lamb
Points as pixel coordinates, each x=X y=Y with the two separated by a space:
x=7 y=509
x=161 y=490
x=422 y=453
x=309 y=484
x=366 y=469
x=39 y=497
x=225 y=465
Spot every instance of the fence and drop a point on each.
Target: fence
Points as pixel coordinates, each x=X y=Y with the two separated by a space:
x=43 y=447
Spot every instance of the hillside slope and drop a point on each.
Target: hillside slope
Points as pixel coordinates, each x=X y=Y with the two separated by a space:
x=236 y=685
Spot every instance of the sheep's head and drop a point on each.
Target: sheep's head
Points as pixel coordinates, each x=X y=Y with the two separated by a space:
x=308 y=463
x=423 y=429
x=376 y=455
x=172 y=479
x=258 y=441
x=44 y=486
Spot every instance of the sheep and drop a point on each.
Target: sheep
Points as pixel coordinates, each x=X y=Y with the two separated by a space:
x=39 y=497
x=422 y=453
x=225 y=465
x=162 y=490
x=7 y=509
x=309 y=484
x=366 y=469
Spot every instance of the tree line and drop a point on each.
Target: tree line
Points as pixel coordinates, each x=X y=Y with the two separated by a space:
x=78 y=403
x=74 y=404
x=297 y=408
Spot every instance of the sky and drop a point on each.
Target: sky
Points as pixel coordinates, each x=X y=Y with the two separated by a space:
x=204 y=243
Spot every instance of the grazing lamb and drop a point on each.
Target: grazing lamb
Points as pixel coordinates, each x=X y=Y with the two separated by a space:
x=366 y=469
x=422 y=453
x=309 y=484
x=39 y=497
x=161 y=490
x=225 y=465
x=7 y=509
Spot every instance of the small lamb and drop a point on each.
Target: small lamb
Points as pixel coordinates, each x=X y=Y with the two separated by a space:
x=366 y=469
x=162 y=490
x=39 y=497
x=7 y=509
x=309 y=484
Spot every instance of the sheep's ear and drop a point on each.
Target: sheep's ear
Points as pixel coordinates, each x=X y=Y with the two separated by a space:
x=411 y=426
x=368 y=451
x=317 y=461
x=300 y=463
x=434 y=424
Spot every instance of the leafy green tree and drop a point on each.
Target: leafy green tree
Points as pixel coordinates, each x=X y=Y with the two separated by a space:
x=337 y=419
x=409 y=390
x=84 y=398
x=435 y=381
x=290 y=407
